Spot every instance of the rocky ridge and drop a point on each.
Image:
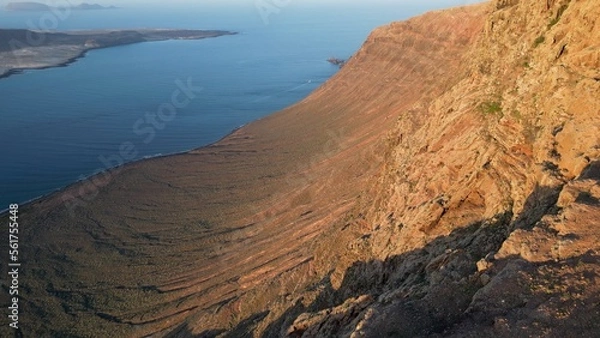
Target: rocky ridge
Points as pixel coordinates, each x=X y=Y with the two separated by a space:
x=486 y=214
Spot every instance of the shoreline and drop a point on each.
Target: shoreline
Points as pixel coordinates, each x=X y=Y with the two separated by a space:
x=82 y=54
x=144 y=35
x=89 y=177
x=66 y=63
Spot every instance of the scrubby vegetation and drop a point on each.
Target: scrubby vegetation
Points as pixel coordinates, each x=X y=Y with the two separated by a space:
x=538 y=41
x=491 y=108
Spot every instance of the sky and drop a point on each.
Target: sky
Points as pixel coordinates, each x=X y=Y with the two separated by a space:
x=195 y=3
x=264 y=8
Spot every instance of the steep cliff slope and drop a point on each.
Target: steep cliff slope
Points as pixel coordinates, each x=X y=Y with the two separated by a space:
x=199 y=242
x=444 y=182
x=486 y=216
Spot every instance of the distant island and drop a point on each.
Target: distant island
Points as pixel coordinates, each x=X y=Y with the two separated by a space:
x=62 y=48
x=38 y=7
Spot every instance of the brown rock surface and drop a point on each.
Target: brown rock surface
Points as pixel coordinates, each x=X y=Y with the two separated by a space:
x=444 y=183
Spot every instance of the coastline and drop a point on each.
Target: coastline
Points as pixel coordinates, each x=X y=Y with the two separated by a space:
x=142 y=160
x=111 y=39
x=66 y=63
x=150 y=36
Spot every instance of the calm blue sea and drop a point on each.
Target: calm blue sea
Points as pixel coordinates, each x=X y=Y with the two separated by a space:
x=57 y=124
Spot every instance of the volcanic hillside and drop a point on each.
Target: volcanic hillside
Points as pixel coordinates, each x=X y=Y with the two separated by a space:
x=446 y=182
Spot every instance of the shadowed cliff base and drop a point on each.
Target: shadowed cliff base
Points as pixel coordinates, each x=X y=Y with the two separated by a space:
x=446 y=177
x=452 y=287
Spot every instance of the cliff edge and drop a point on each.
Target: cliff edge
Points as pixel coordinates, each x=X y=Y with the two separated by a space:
x=485 y=215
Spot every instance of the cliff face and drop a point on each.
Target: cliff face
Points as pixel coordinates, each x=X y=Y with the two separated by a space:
x=444 y=182
x=486 y=214
x=515 y=133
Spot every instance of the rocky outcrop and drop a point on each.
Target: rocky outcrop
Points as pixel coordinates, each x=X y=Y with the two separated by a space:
x=443 y=183
x=486 y=213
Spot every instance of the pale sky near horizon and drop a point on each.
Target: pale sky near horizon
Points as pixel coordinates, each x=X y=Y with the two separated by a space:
x=121 y=3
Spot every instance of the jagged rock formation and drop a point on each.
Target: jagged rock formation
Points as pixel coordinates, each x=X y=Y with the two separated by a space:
x=487 y=212
x=444 y=183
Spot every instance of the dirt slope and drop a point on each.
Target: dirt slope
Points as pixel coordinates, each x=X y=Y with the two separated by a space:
x=444 y=182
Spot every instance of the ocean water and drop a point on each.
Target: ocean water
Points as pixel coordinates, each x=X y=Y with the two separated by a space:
x=60 y=125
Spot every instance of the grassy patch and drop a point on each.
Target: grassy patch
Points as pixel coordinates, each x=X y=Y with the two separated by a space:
x=491 y=108
x=485 y=68
x=559 y=14
x=517 y=114
x=538 y=41
x=204 y=224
